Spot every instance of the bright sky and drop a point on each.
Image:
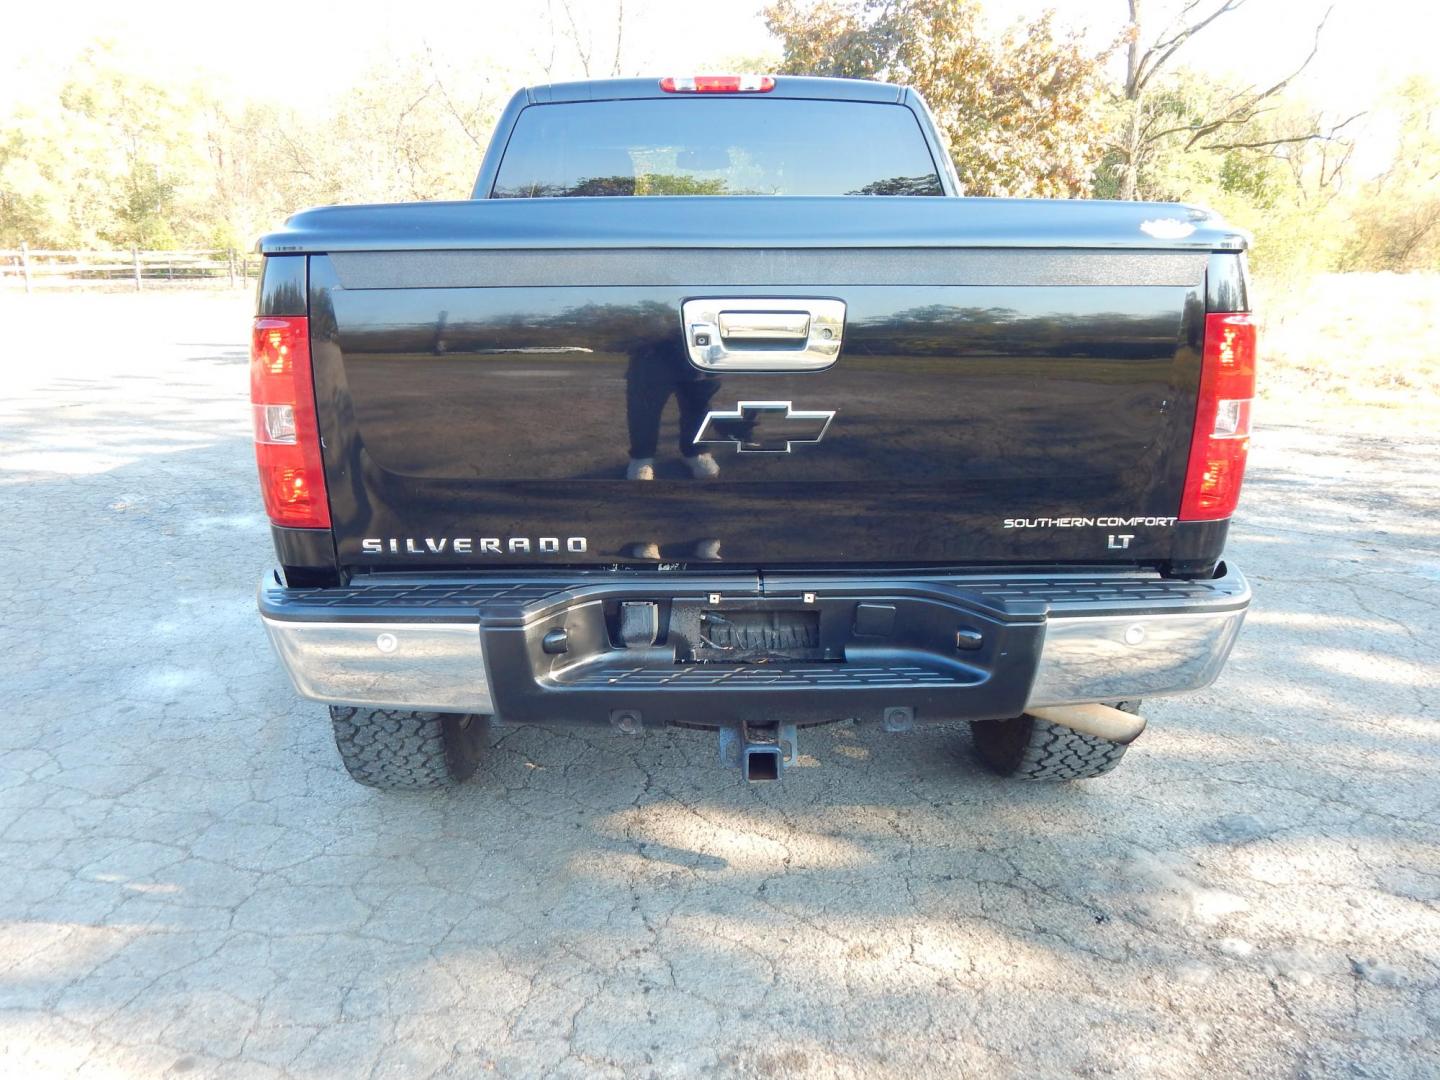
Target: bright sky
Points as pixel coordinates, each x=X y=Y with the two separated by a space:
x=291 y=49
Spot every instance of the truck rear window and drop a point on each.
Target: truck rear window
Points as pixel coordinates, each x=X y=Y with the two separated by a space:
x=716 y=146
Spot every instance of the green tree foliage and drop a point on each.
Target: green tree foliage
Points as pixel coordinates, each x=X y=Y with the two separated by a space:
x=25 y=185
x=136 y=153
x=1020 y=115
x=1278 y=174
x=1147 y=114
x=1283 y=176
x=118 y=159
x=1397 y=219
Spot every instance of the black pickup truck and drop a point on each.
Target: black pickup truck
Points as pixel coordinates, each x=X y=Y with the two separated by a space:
x=718 y=406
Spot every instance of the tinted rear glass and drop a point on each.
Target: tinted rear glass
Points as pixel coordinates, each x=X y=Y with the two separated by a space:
x=716 y=146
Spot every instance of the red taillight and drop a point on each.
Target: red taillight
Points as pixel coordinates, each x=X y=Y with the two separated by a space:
x=287 y=437
x=717 y=84
x=1221 y=440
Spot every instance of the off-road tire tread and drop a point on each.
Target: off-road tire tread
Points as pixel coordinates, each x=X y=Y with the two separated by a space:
x=398 y=750
x=1058 y=753
x=1037 y=750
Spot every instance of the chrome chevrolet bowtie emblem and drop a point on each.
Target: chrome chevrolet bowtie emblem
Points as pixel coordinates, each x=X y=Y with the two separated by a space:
x=764 y=427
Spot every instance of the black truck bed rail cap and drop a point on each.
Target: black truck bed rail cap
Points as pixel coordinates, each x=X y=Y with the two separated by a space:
x=712 y=221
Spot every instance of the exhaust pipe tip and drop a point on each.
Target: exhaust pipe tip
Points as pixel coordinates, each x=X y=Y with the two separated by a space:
x=762 y=763
x=1101 y=721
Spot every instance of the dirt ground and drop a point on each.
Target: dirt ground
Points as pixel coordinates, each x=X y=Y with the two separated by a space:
x=189 y=884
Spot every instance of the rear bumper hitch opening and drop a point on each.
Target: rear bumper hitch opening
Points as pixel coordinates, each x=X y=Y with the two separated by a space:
x=760 y=751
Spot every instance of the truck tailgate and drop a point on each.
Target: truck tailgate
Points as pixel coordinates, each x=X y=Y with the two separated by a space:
x=997 y=398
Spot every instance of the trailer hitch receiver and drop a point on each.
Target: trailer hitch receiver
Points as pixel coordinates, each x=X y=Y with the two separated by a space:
x=760 y=751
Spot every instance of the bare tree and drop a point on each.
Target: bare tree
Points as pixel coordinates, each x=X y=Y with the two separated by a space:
x=1143 y=128
x=619 y=36
x=580 y=39
x=474 y=121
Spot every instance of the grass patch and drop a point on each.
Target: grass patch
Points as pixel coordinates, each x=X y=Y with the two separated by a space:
x=1370 y=340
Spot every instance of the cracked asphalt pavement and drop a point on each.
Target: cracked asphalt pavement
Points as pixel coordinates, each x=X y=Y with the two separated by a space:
x=189 y=884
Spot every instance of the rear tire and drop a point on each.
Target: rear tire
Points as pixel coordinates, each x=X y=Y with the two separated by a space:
x=408 y=751
x=1027 y=748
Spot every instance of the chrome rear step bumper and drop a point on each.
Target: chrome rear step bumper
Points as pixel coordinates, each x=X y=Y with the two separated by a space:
x=939 y=647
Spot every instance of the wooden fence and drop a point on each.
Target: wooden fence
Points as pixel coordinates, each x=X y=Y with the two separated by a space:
x=33 y=267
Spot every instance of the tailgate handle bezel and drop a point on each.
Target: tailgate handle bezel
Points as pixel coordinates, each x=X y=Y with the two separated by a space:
x=735 y=333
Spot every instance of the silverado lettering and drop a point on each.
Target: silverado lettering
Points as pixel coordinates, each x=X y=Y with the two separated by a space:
x=470 y=545
x=787 y=417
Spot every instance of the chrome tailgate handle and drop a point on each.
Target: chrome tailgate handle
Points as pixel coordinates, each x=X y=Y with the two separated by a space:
x=764 y=325
x=734 y=333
